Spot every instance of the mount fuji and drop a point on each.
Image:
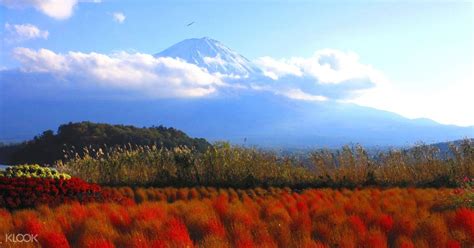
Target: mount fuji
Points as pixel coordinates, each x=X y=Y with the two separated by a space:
x=212 y=55
x=249 y=117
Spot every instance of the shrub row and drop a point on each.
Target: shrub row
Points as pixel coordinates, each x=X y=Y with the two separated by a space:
x=33 y=171
x=25 y=192
x=171 y=194
x=449 y=199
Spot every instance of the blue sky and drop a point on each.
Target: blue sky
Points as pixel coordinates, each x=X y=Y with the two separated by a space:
x=424 y=49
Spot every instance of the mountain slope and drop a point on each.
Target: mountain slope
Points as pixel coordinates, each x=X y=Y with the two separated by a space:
x=212 y=55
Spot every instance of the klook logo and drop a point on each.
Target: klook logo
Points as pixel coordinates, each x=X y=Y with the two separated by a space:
x=20 y=237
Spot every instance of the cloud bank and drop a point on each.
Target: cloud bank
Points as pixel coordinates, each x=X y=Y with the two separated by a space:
x=327 y=66
x=143 y=73
x=328 y=75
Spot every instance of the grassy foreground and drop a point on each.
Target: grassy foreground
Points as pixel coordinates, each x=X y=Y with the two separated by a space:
x=240 y=197
x=208 y=217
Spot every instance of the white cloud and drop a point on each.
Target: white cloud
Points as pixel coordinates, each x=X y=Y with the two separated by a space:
x=292 y=93
x=327 y=66
x=217 y=60
x=22 y=32
x=328 y=74
x=119 y=17
x=298 y=94
x=57 y=9
x=154 y=77
x=274 y=69
x=40 y=61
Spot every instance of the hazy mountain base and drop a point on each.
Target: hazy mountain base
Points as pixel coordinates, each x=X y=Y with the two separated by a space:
x=263 y=119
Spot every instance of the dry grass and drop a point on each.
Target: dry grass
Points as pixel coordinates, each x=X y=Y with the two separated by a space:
x=227 y=166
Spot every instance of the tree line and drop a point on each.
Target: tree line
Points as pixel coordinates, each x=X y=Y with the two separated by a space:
x=50 y=147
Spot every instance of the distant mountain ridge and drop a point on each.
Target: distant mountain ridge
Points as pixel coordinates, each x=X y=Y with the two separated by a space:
x=444 y=147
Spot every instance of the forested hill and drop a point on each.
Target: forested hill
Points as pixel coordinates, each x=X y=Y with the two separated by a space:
x=48 y=147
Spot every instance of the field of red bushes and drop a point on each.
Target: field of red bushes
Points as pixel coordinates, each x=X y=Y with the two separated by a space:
x=274 y=217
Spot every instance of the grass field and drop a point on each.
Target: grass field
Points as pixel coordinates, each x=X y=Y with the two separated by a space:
x=224 y=165
x=239 y=197
x=273 y=217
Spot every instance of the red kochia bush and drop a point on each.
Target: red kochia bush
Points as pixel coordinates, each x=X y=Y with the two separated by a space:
x=29 y=192
x=357 y=225
x=54 y=240
x=312 y=218
x=465 y=219
x=386 y=222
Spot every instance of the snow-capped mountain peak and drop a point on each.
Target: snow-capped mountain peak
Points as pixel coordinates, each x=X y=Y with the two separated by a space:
x=212 y=55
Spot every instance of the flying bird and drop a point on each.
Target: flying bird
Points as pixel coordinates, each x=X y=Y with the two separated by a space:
x=190 y=24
